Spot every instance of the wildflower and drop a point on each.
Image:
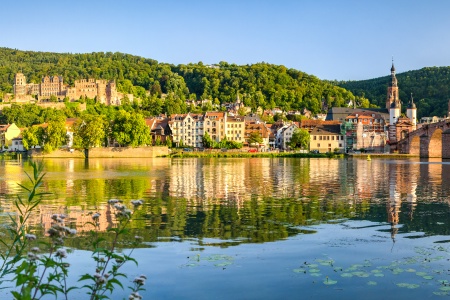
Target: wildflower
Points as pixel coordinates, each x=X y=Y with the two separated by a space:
x=119 y=206
x=35 y=249
x=101 y=280
x=53 y=232
x=32 y=256
x=137 y=203
x=72 y=231
x=138 y=238
x=54 y=217
x=62 y=216
x=96 y=216
x=134 y=296
x=113 y=201
x=30 y=237
x=139 y=280
x=61 y=253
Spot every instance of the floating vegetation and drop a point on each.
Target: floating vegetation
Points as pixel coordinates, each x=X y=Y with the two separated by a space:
x=219 y=260
x=329 y=281
x=397 y=271
x=408 y=285
x=299 y=271
x=423 y=265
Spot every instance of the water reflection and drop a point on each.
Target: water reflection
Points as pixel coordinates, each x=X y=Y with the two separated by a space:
x=241 y=200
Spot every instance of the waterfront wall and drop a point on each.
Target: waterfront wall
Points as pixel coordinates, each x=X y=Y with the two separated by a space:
x=110 y=152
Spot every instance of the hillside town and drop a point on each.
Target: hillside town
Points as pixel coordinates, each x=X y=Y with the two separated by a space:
x=341 y=130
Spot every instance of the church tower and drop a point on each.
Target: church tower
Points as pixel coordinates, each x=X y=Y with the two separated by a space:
x=392 y=92
x=411 y=113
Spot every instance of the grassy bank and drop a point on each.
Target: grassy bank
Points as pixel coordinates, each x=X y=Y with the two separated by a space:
x=181 y=154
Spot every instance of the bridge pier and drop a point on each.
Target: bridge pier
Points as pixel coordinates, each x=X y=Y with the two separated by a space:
x=424 y=146
x=446 y=144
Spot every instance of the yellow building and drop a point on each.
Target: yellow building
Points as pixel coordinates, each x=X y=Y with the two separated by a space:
x=235 y=129
x=327 y=138
x=7 y=134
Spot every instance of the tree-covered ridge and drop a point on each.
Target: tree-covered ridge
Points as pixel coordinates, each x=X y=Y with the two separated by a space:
x=259 y=85
x=262 y=85
x=430 y=88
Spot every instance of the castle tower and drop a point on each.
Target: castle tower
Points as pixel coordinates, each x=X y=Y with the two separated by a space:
x=392 y=92
x=394 y=111
x=20 y=83
x=411 y=113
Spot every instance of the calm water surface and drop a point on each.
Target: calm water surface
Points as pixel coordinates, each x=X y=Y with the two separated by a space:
x=262 y=228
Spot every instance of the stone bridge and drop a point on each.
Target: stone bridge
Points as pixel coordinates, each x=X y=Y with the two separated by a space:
x=430 y=140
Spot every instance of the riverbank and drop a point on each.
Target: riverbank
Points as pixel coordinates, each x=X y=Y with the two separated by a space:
x=237 y=154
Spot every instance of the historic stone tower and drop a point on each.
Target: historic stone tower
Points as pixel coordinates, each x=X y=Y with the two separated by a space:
x=411 y=113
x=392 y=92
x=20 y=84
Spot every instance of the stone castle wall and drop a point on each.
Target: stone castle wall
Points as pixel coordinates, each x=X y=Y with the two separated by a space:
x=103 y=90
x=110 y=152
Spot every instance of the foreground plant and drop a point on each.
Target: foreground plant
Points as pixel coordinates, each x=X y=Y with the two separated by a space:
x=17 y=240
x=36 y=275
x=108 y=260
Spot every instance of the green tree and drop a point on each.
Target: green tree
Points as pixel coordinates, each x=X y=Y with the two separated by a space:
x=130 y=129
x=207 y=141
x=32 y=136
x=55 y=135
x=255 y=138
x=53 y=98
x=299 y=139
x=89 y=131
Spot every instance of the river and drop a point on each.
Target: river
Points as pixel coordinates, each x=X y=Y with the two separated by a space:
x=259 y=228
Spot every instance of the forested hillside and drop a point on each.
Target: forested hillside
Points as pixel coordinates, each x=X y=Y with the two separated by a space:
x=430 y=88
x=259 y=85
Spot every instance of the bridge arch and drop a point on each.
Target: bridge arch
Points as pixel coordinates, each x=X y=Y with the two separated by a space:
x=435 y=144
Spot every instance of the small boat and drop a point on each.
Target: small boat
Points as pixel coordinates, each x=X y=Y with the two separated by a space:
x=368 y=157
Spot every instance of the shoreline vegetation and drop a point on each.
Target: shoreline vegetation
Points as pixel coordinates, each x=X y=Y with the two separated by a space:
x=182 y=153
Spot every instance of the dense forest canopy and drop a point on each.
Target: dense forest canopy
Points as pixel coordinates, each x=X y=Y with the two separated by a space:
x=260 y=85
x=165 y=87
x=430 y=88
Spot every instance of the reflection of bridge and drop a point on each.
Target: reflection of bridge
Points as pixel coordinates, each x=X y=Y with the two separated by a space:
x=430 y=140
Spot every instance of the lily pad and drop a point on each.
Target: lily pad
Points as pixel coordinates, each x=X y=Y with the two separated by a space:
x=316 y=274
x=361 y=274
x=371 y=283
x=421 y=273
x=348 y=275
x=445 y=288
x=378 y=275
x=397 y=271
x=408 y=285
x=329 y=281
x=299 y=271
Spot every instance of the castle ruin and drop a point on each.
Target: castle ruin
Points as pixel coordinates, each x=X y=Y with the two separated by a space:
x=103 y=91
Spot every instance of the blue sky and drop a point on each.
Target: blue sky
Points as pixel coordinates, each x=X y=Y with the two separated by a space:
x=343 y=40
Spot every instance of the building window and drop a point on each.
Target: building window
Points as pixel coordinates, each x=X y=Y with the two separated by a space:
x=318 y=145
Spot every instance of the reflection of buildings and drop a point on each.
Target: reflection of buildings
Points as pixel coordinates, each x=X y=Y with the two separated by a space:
x=76 y=217
x=402 y=188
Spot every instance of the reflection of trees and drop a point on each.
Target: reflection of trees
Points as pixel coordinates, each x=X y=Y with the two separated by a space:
x=256 y=221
